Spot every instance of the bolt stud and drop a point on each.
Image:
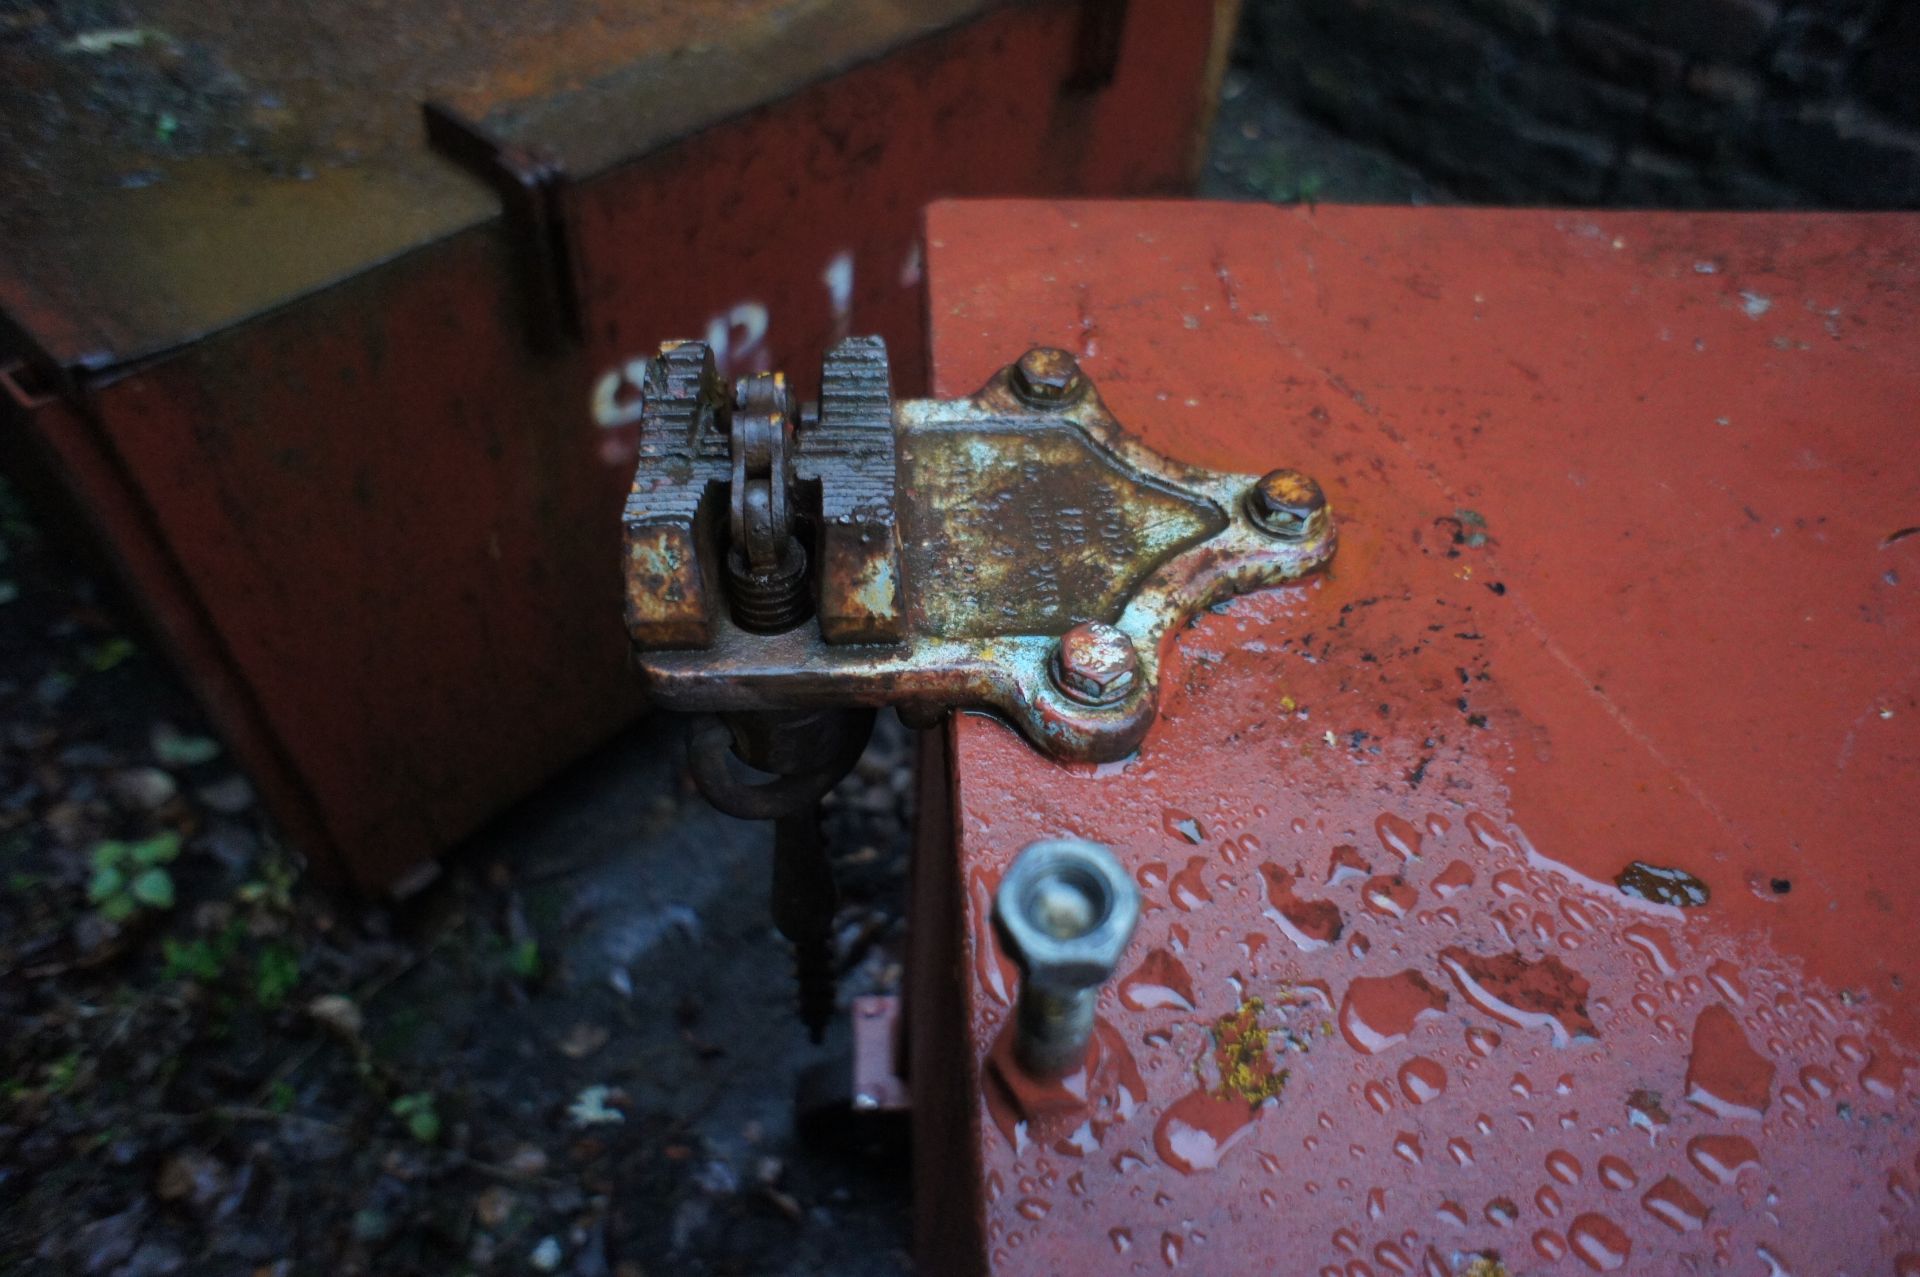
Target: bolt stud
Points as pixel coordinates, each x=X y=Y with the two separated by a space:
x=1095 y=664
x=1066 y=911
x=1287 y=506
x=1046 y=377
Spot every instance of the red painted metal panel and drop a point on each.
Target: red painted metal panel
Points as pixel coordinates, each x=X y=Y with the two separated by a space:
x=1622 y=578
x=396 y=526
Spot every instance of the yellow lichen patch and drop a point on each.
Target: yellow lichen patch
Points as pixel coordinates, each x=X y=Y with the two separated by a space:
x=1241 y=1056
x=1485 y=1266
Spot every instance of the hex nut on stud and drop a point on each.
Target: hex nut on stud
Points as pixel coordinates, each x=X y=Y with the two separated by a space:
x=1288 y=505
x=1095 y=664
x=1047 y=378
x=1066 y=911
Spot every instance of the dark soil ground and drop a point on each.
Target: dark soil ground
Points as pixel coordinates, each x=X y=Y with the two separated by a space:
x=574 y=1052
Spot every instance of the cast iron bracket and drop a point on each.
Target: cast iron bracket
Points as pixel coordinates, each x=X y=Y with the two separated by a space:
x=1014 y=550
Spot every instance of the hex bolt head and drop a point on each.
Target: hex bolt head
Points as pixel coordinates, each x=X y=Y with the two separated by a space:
x=1066 y=910
x=1047 y=378
x=1287 y=505
x=1095 y=664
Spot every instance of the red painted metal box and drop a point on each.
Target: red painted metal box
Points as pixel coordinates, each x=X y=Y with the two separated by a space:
x=1534 y=891
x=357 y=414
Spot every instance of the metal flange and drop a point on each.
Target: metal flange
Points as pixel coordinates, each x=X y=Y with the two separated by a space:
x=1014 y=550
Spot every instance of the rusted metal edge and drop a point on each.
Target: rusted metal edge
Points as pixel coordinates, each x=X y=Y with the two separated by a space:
x=534 y=198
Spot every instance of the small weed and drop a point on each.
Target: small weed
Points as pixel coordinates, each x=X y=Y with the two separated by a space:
x=275 y=976
x=523 y=959
x=131 y=876
x=416 y=1109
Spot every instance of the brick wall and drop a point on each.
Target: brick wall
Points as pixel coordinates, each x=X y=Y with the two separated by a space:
x=1685 y=103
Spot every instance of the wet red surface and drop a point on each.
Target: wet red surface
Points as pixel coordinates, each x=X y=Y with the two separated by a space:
x=1615 y=585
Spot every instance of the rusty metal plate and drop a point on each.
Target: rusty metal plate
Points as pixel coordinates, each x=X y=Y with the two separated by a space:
x=1533 y=892
x=974 y=539
x=154 y=155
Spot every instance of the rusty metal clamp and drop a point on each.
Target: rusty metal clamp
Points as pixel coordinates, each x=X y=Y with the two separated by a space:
x=1013 y=550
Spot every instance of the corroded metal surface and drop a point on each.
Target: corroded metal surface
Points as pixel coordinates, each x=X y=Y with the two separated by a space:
x=1014 y=549
x=1531 y=892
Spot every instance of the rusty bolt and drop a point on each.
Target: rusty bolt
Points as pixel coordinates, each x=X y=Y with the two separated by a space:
x=1288 y=505
x=1047 y=378
x=1065 y=910
x=1095 y=664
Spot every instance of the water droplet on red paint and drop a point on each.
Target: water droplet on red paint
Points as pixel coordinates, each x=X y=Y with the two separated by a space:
x=1563 y=1166
x=1359 y=946
x=1646 y=1004
x=1122 y=1240
x=1346 y=863
x=1721 y=1158
x=1033 y=1208
x=1377 y=1096
x=1172 y=1249
x=1547 y=1201
x=1615 y=1173
x=1188 y=888
x=1388 y=896
x=1453 y=1213
x=1725 y=978
x=1725 y=1075
x=1602 y=1244
x=1501 y=1212
x=1376 y=1203
x=1882 y=1076
x=1482 y=1041
x=1460 y=1151
x=1180 y=824
x=1509 y=884
x=1545 y=993
x=1422 y=1079
x=1346 y=1241
x=1379 y=1012
x=1453 y=880
x=1578 y=916
x=1654 y=944
x=1161 y=980
x=1310 y=924
x=1127 y=1160
x=1819 y=1082
x=1776 y=1267
x=1549 y=1245
x=1674 y=1204
x=1521 y=1085
x=1392 y=1257
x=1406 y=1145
x=1398 y=836
x=1198 y=1128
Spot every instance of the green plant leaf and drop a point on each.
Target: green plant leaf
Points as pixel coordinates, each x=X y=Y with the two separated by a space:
x=108 y=881
x=417 y=1111
x=524 y=959
x=154 y=888
x=192 y=960
x=104 y=656
x=107 y=855
x=157 y=850
x=118 y=908
x=276 y=975
x=176 y=749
